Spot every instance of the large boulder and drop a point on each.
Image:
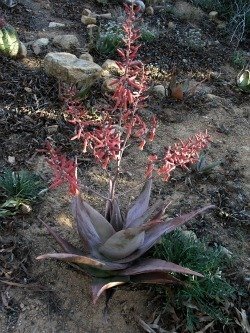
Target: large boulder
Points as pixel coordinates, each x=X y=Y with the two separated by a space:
x=66 y=67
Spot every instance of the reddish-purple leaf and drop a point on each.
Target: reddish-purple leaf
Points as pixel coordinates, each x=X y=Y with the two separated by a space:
x=65 y=245
x=156 y=265
x=140 y=205
x=84 y=260
x=101 y=285
x=154 y=234
x=93 y=228
x=116 y=218
x=155 y=278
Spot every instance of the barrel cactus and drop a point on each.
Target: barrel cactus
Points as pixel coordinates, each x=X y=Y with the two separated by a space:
x=243 y=80
x=9 y=41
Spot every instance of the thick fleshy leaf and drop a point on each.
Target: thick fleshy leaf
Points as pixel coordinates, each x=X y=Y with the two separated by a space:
x=65 y=245
x=140 y=205
x=157 y=206
x=83 y=260
x=116 y=218
x=101 y=285
x=153 y=235
x=157 y=265
x=93 y=228
x=123 y=243
x=155 y=278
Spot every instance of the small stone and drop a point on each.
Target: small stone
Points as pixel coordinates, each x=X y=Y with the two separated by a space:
x=110 y=67
x=22 y=53
x=185 y=61
x=56 y=25
x=171 y=25
x=40 y=45
x=11 y=159
x=213 y=15
x=149 y=10
x=86 y=56
x=66 y=42
x=26 y=209
x=108 y=85
x=159 y=91
x=52 y=129
x=86 y=12
x=88 y=20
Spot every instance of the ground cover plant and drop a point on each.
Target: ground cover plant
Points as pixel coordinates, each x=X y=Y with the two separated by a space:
x=113 y=244
x=212 y=293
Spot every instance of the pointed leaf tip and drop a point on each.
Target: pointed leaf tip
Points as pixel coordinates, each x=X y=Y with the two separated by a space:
x=140 y=205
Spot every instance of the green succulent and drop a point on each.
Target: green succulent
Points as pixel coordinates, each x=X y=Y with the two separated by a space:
x=112 y=246
x=18 y=188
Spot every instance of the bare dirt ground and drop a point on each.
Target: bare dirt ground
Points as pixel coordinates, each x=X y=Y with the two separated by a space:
x=52 y=297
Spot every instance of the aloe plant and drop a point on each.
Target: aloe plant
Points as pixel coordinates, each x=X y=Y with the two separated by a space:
x=112 y=246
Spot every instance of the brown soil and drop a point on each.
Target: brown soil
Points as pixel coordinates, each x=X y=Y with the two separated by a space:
x=52 y=297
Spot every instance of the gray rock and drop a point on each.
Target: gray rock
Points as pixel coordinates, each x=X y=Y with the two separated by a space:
x=66 y=42
x=86 y=56
x=56 y=25
x=159 y=91
x=66 y=67
x=40 y=45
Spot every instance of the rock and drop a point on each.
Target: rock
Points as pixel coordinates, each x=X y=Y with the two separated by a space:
x=171 y=25
x=88 y=20
x=22 y=53
x=149 y=10
x=110 y=67
x=160 y=91
x=86 y=56
x=186 y=11
x=68 y=68
x=108 y=85
x=11 y=160
x=52 y=129
x=213 y=15
x=56 y=25
x=93 y=33
x=39 y=45
x=66 y=42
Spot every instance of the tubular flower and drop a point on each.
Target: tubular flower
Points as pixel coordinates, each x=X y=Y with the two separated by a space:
x=181 y=155
x=64 y=169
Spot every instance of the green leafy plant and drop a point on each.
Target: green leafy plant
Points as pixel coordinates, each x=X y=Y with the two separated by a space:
x=18 y=188
x=207 y=294
x=114 y=244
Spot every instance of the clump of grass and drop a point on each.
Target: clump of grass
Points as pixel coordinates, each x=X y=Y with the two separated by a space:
x=207 y=294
